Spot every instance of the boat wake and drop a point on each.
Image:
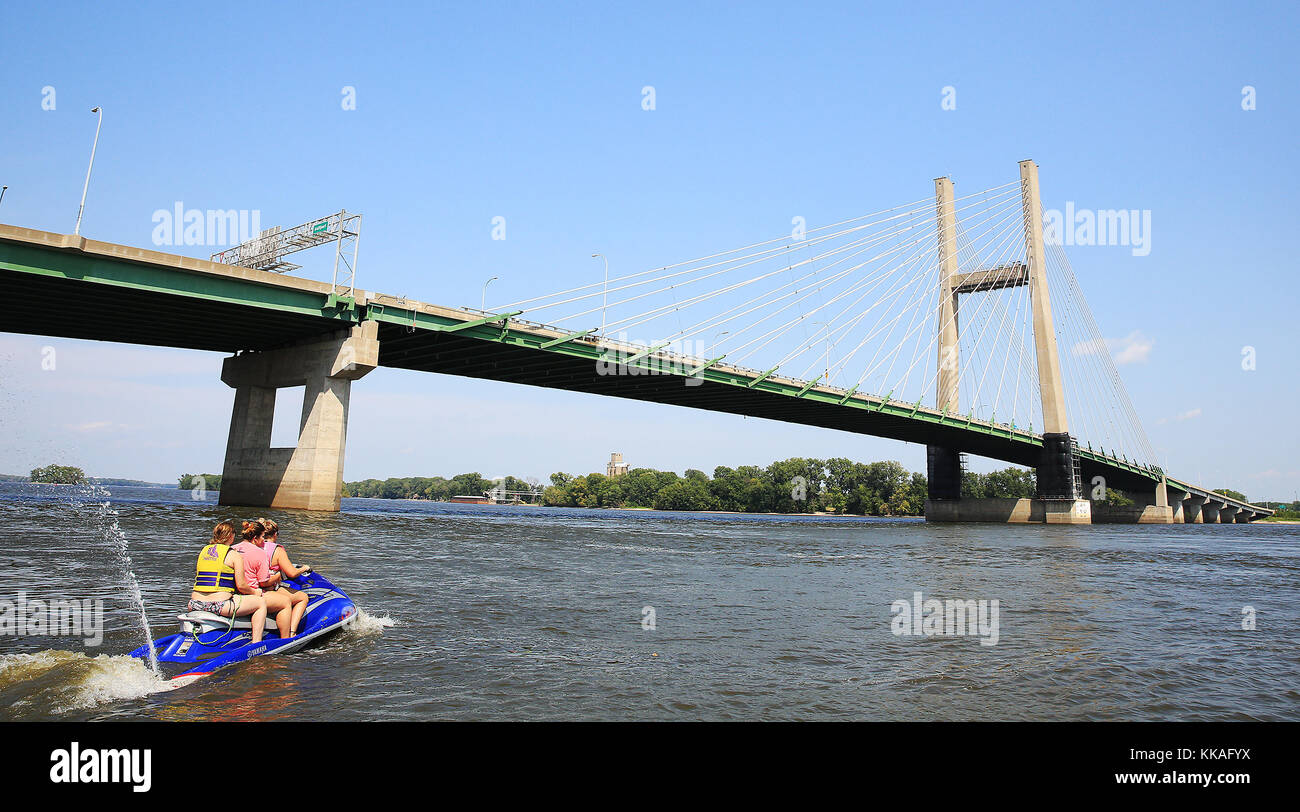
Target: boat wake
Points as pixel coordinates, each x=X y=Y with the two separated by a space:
x=56 y=682
x=367 y=624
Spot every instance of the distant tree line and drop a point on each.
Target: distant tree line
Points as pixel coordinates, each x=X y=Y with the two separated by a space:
x=437 y=489
x=796 y=485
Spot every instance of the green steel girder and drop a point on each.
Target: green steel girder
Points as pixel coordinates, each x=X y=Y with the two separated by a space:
x=570 y=337
x=709 y=363
x=646 y=353
x=457 y=326
x=62 y=264
x=756 y=381
x=808 y=386
x=523 y=338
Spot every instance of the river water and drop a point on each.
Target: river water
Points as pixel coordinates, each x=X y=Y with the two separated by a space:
x=484 y=612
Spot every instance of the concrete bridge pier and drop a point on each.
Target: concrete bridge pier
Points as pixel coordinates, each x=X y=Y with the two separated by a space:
x=310 y=475
x=943 y=472
x=1228 y=514
x=1152 y=508
x=1193 y=509
x=1210 y=512
x=1057 y=489
x=1177 y=500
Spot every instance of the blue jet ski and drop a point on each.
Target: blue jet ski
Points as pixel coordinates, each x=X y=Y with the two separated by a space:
x=207 y=641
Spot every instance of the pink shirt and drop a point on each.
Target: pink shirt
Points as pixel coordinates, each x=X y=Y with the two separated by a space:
x=256 y=568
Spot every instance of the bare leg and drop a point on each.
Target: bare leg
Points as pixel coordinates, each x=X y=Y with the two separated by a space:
x=250 y=605
x=278 y=602
x=299 y=607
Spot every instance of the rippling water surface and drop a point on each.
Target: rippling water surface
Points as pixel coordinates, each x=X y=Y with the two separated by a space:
x=480 y=612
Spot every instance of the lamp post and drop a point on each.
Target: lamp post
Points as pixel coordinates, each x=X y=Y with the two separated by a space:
x=483 y=303
x=80 y=209
x=604 y=301
x=2 y=193
x=715 y=341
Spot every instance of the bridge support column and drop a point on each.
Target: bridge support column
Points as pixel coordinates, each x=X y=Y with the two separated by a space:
x=1210 y=512
x=310 y=475
x=1193 y=509
x=1177 y=500
x=1228 y=514
x=943 y=470
x=1158 y=511
x=1057 y=488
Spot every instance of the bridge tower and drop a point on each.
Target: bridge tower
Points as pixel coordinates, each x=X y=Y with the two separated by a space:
x=943 y=464
x=1059 y=499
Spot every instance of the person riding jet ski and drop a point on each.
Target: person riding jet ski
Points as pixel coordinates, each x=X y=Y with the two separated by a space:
x=283 y=569
x=220 y=585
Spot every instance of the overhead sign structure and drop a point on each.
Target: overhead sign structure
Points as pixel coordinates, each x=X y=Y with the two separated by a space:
x=267 y=251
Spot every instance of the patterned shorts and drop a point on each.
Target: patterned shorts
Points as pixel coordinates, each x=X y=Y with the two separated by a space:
x=207 y=606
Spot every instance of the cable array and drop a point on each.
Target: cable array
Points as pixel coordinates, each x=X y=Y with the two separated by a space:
x=854 y=305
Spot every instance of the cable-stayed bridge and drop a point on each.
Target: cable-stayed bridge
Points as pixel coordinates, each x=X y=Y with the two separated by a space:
x=952 y=321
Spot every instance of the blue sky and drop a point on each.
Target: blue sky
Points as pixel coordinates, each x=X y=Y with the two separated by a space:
x=534 y=113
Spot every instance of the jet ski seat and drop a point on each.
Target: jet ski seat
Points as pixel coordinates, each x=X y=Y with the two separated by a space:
x=207 y=622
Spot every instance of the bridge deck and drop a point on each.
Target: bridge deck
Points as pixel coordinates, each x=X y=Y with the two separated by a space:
x=59 y=285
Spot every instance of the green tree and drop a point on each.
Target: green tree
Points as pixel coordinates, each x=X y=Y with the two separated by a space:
x=59 y=475
x=1117 y=498
x=685 y=494
x=189 y=482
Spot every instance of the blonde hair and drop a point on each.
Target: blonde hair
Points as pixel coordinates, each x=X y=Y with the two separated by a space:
x=224 y=533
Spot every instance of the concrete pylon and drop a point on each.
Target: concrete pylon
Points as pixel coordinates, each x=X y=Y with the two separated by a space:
x=310 y=475
x=1194 y=509
x=943 y=465
x=1056 y=466
x=1049 y=363
x=949 y=362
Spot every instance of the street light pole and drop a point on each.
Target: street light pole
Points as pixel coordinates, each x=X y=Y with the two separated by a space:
x=2 y=193
x=95 y=146
x=605 y=295
x=483 y=303
x=715 y=341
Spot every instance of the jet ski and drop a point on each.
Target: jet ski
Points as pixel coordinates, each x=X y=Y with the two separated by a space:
x=208 y=641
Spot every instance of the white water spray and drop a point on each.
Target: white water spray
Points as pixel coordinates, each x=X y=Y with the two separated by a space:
x=108 y=523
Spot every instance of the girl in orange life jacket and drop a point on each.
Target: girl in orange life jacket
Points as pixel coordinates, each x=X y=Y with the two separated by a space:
x=218 y=574
x=281 y=568
x=257 y=571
